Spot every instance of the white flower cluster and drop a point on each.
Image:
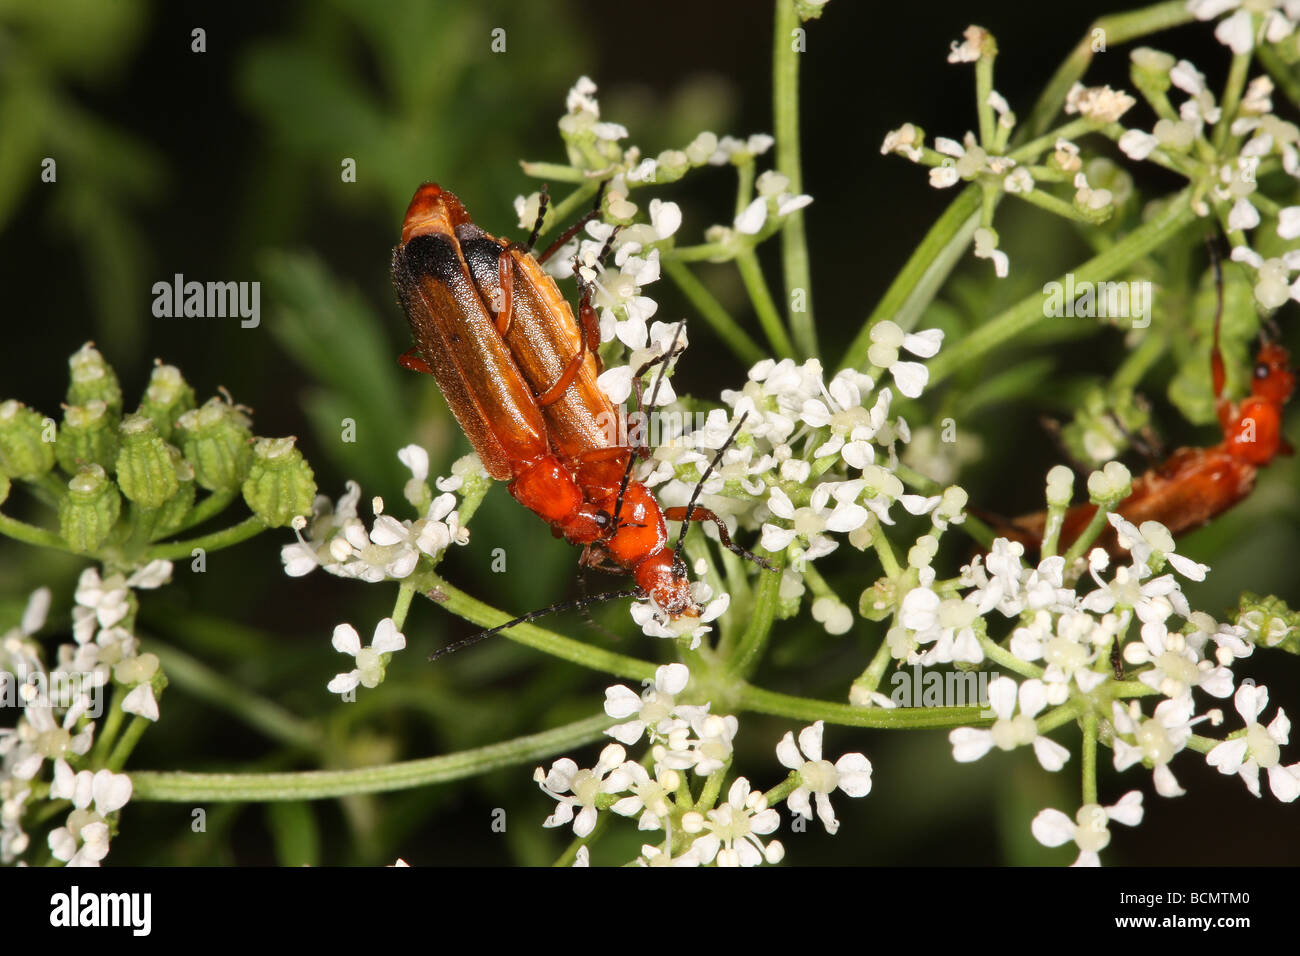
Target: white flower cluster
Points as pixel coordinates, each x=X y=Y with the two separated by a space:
x=338 y=541
x=1064 y=646
x=688 y=739
x=813 y=460
x=60 y=706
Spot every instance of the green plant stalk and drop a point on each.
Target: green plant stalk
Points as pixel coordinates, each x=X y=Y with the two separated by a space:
x=30 y=534
x=785 y=127
x=1231 y=99
x=1117 y=28
x=554 y=172
x=1089 y=534
x=225 y=538
x=898 y=718
x=925 y=271
x=983 y=87
x=192 y=675
x=530 y=635
x=403 y=604
x=751 y=274
x=869 y=679
x=126 y=743
x=209 y=507
x=1029 y=311
x=1138 y=362
x=175 y=786
x=1089 y=757
x=762 y=615
x=1284 y=76
x=1003 y=657
x=713 y=312
x=108 y=732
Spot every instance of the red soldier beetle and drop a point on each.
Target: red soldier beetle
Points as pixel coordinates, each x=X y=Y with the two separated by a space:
x=1195 y=485
x=521 y=380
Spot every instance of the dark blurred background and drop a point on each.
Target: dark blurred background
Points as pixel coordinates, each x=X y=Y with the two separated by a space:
x=225 y=165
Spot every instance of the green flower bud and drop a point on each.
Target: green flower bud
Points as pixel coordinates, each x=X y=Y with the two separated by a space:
x=26 y=441
x=280 y=484
x=166 y=398
x=88 y=437
x=1150 y=70
x=89 y=510
x=172 y=513
x=93 y=378
x=145 y=471
x=215 y=439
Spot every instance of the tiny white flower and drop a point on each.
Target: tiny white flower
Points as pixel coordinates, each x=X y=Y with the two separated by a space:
x=1259 y=748
x=1011 y=729
x=818 y=777
x=1090 y=830
x=577 y=791
x=369 y=671
x=735 y=826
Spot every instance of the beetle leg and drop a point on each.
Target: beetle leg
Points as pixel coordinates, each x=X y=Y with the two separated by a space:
x=412 y=360
x=704 y=514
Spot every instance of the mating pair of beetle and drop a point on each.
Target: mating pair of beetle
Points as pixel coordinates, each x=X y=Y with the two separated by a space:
x=519 y=373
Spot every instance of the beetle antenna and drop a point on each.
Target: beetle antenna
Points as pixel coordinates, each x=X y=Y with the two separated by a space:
x=574 y=229
x=699 y=487
x=665 y=358
x=532 y=616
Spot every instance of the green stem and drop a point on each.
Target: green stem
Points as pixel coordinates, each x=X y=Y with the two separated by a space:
x=762 y=615
x=403 y=606
x=768 y=317
x=1095 y=526
x=1116 y=29
x=1139 y=361
x=126 y=743
x=554 y=172
x=785 y=126
x=1090 y=757
x=1031 y=310
x=182 y=787
x=209 y=507
x=1232 y=90
x=172 y=550
x=30 y=534
x=713 y=311
x=108 y=732
x=1286 y=77
x=1003 y=657
x=530 y=635
x=257 y=712
x=896 y=718
x=925 y=271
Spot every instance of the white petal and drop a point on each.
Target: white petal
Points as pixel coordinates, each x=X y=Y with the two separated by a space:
x=788 y=754
x=969 y=743
x=810 y=741
x=1051 y=755
x=910 y=377
x=142 y=702
x=1052 y=828
x=417 y=459
x=1243 y=215
x=112 y=791
x=346 y=640
x=855 y=774
x=751 y=220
